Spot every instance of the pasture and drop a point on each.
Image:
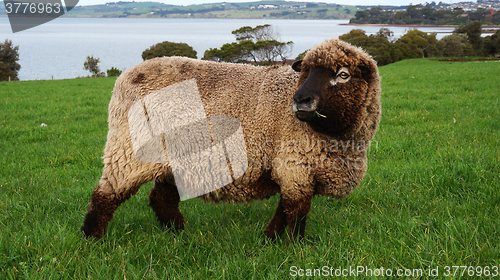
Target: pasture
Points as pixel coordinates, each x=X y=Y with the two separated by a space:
x=430 y=198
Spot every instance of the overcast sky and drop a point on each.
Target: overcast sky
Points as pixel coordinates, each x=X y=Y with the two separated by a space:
x=342 y=2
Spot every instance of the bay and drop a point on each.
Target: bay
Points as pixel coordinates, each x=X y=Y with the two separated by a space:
x=58 y=49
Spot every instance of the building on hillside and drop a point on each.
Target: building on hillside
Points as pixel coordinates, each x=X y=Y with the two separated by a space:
x=267 y=7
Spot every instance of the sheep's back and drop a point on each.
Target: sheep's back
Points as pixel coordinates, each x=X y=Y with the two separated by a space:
x=259 y=97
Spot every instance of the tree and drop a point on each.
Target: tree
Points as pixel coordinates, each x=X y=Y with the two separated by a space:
x=492 y=44
x=302 y=55
x=378 y=45
x=92 y=65
x=360 y=17
x=473 y=31
x=9 y=55
x=354 y=34
x=259 y=45
x=383 y=48
x=269 y=51
x=385 y=33
x=230 y=52
x=259 y=33
x=455 y=45
x=167 y=48
x=418 y=44
x=266 y=49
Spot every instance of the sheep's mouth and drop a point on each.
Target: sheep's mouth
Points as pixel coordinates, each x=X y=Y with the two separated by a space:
x=305 y=116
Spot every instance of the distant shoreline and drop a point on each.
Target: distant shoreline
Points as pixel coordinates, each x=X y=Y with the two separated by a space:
x=485 y=27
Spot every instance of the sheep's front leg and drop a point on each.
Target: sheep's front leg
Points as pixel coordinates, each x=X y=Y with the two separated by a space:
x=291 y=211
x=100 y=212
x=297 y=190
x=296 y=210
x=164 y=200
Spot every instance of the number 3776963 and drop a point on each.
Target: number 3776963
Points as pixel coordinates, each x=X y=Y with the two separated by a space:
x=33 y=8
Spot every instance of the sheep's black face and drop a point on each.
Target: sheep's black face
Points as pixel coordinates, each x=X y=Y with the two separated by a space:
x=329 y=100
x=308 y=98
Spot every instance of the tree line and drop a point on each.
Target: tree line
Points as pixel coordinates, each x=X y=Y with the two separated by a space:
x=466 y=40
x=425 y=15
x=261 y=45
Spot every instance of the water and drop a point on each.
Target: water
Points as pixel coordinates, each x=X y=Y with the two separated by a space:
x=58 y=49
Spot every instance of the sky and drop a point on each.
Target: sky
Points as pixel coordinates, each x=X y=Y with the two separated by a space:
x=341 y=2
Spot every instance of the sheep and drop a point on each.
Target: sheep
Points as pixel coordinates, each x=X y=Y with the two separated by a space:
x=307 y=129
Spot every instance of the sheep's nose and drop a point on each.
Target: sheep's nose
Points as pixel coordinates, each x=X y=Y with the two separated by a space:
x=302 y=99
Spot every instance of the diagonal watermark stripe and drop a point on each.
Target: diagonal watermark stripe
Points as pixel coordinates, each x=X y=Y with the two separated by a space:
x=205 y=153
x=25 y=14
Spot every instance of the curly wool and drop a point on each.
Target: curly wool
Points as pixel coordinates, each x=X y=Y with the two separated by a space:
x=285 y=155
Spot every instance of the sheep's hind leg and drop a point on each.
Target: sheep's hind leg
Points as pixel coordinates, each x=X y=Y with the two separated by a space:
x=164 y=200
x=277 y=225
x=100 y=212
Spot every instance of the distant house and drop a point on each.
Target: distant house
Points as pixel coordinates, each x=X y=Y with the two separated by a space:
x=266 y=7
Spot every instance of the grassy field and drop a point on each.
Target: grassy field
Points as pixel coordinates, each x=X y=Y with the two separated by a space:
x=430 y=198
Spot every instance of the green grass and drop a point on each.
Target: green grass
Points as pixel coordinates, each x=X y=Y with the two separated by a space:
x=430 y=197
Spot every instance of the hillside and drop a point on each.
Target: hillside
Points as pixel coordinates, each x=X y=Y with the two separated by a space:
x=257 y=9
x=441 y=14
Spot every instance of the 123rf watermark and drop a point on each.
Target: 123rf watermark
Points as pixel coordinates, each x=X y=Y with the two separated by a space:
x=364 y=271
x=25 y=14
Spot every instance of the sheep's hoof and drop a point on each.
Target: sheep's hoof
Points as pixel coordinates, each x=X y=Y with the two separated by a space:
x=272 y=235
x=273 y=232
x=91 y=235
x=175 y=225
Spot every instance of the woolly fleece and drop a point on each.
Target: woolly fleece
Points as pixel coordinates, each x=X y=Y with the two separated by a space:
x=286 y=156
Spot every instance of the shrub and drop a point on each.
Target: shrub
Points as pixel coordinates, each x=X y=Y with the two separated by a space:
x=113 y=72
x=167 y=48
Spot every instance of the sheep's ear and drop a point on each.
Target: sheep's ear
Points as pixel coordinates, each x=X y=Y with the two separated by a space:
x=365 y=71
x=297 y=65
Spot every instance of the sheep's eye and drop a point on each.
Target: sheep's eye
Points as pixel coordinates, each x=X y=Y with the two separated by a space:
x=343 y=75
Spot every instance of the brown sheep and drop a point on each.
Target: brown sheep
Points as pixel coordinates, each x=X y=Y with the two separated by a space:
x=306 y=133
